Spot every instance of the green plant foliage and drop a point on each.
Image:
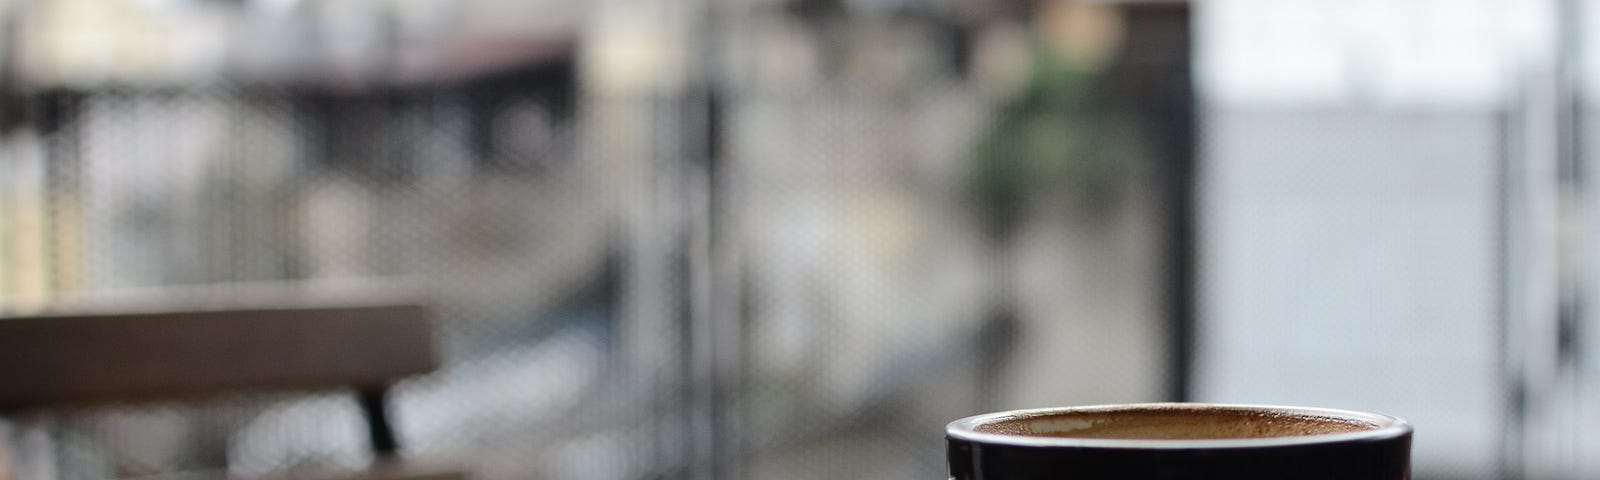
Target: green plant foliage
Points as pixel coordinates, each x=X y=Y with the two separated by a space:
x=1058 y=137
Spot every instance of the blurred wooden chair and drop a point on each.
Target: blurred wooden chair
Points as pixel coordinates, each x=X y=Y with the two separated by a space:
x=58 y=361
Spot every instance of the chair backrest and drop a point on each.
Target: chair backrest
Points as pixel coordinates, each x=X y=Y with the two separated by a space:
x=56 y=361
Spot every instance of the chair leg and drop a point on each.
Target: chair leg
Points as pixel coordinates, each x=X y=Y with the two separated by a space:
x=374 y=406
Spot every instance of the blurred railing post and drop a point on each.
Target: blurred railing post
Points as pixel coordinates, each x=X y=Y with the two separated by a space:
x=1158 y=59
x=1544 y=268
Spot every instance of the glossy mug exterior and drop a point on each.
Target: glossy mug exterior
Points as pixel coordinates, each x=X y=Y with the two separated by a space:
x=1018 y=445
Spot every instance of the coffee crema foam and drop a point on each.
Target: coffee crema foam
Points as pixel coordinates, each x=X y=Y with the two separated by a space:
x=1176 y=423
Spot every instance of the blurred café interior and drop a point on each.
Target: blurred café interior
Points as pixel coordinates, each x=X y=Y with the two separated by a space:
x=781 y=239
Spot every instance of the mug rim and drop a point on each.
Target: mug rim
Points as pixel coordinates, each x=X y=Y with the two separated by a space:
x=967 y=428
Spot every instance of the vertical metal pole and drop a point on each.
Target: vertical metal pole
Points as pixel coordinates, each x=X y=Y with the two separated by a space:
x=1513 y=378
x=1543 y=239
x=1179 y=184
x=64 y=196
x=718 y=355
x=1571 y=235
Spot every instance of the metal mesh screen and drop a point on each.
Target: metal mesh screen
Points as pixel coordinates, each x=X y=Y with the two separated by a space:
x=783 y=276
x=1343 y=222
x=863 y=281
x=793 y=238
x=221 y=187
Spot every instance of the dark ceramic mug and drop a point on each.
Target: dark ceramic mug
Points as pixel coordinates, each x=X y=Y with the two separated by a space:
x=1172 y=441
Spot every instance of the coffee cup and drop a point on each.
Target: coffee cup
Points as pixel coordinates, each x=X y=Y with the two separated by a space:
x=1179 y=441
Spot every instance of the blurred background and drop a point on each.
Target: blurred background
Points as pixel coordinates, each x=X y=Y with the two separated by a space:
x=791 y=239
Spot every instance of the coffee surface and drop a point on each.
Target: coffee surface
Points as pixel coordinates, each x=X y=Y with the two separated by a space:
x=1175 y=424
